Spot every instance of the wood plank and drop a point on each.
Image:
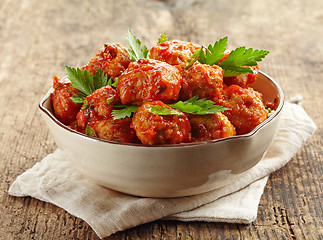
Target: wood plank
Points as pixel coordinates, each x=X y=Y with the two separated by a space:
x=37 y=39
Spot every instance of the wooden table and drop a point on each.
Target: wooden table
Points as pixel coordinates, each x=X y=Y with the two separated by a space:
x=37 y=39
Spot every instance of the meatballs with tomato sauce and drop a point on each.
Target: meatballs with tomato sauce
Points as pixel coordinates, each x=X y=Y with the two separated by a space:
x=113 y=59
x=174 y=52
x=247 y=108
x=160 y=129
x=210 y=127
x=96 y=113
x=202 y=80
x=149 y=80
x=65 y=109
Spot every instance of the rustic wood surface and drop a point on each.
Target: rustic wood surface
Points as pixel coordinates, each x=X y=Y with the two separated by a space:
x=38 y=38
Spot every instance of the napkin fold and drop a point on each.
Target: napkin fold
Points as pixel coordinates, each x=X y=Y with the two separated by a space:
x=54 y=180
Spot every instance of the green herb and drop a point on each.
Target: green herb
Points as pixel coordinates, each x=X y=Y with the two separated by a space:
x=192 y=106
x=238 y=62
x=162 y=38
x=198 y=106
x=100 y=79
x=126 y=111
x=90 y=131
x=270 y=112
x=85 y=82
x=162 y=110
x=213 y=54
x=82 y=81
x=113 y=82
x=110 y=100
x=196 y=55
x=136 y=52
x=85 y=104
x=240 y=59
x=78 y=98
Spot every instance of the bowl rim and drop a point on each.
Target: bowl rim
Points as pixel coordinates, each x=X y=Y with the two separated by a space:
x=247 y=135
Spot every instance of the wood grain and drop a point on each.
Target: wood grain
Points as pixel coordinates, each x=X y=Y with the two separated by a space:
x=38 y=38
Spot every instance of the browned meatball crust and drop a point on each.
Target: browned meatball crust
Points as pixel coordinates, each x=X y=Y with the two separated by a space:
x=247 y=108
x=97 y=115
x=202 y=80
x=149 y=80
x=160 y=129
x=174 y=52
x=210 y=127
x=112 y=59
x=65 y=109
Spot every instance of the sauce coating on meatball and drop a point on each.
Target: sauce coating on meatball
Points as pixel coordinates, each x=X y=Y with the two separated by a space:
x=247 y=108
x=202 y=80
x=210 y=127
x=112 y=59
x=65 y=109
x=160 y=129
x=97 y=114
x=149 y=80
x=174 y=52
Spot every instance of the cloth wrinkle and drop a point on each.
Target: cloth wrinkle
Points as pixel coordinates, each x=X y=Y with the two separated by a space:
x=54 y=180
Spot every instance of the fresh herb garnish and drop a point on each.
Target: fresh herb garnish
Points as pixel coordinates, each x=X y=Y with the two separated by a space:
x=82 y=81
x=126 y=111
x=162 y=110
x=100 y=79
x=198 y=106
x=196 y=55
x=239 y=59
x=163 y=38
x=90 y=131
x=213 y=54
x=109 y=100
x=113 y=82
x=238 y=62
x=85 y=82
x=192 y=106
x=270 y=112
x=136 y=52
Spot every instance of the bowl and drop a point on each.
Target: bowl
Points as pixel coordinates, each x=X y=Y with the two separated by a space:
x=165 y=171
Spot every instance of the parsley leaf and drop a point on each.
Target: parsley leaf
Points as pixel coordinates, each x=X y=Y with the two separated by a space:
x=126 y=111
x=239 y=59
x=196 y=55
x=100 y=79
x=113 y=82
x=161 y=110
x=78 y=98
x=90 y=131
x=80 y=80
x=136 y=52
x=213 y=54
x=198 y=106
x=85 y=82
x=162 y=38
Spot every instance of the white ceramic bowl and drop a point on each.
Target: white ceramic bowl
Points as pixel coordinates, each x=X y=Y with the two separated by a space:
x=168 y=170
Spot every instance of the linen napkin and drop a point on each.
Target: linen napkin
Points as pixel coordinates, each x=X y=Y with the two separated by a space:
x=54 y=180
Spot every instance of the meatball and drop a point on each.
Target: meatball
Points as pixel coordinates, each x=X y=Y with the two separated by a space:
x=149 y=80
x=247 y=108
x=113 y=60
x=202 y=80
x=243 y=80
x=210 y=127
x=97 y=114
x=160 y=129
x=65 y=109
x=174 y=52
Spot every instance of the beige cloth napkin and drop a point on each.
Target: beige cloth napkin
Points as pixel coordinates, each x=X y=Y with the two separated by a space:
x=54 y=180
